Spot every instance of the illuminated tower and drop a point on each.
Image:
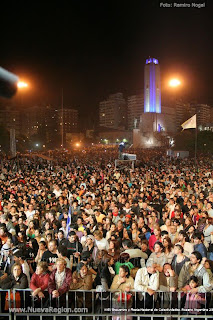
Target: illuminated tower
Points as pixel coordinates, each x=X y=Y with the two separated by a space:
x=152 y=91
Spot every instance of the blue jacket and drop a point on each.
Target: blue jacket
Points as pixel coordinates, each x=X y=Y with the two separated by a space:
x=201 y=248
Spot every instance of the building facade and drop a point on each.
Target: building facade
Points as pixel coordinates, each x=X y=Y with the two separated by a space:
x=135 y=106
x=11 y=119
x=112 y=112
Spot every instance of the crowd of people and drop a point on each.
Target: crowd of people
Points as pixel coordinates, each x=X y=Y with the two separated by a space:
x=76 y=223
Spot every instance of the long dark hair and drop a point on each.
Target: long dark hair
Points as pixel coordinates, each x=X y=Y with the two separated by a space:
x=34 y=245
x=126 y=269
x=103 y=271
x=170 y=246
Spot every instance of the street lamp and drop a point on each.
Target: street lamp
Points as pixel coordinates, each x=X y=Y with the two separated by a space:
x=174 y=83
x=22 y=84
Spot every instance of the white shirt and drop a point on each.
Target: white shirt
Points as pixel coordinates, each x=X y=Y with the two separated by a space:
x=59 y=278
x=26 y=270
x=29 y=214
x=102 y=244
x=57 y=192
x=143 y=281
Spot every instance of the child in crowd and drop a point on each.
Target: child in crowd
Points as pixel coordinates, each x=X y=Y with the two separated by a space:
x=194 y=301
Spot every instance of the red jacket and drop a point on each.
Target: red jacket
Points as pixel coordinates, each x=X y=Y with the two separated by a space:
x=66 y=284
x=39 y=281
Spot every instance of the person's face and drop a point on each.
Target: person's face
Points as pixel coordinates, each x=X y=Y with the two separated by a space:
x=144 y=230
x=47 y=226
x=156 y=232
x=85 y=232
x=17 y=271
x=31 y=225
x=1 y=232
x=125 y=233
x=122 y=273
x=187 y=221
x=165 y=243
x=89 y=241
x=79 y=222
x=119 y=224
x=60 y=266
x=168 y=222
x=207 y=265
x=60 y=236
x=193 y=259
x=83 y=271
x=191 y=229
x=52 y=246
x=133 y=226
x=180 y=237
x=113 y=228
x=41 y=246
x=39 y=270
x=9 y=242
x=96 y=237
x=143 y=247
x=36 y=233
x=157 y=248
x=63 y=224
x=150 y=219
x=196 y=241
x=192 y=284
x=111 y=245
x=151 y=269
x=166 y=269
x=176 y=250
x=72 y=238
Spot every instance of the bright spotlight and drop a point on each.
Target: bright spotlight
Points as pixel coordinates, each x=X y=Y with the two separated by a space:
x=174 y=83
x=22 y=84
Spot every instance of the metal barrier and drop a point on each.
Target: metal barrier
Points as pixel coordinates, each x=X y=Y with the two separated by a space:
x=5 y=304
x=92 y=304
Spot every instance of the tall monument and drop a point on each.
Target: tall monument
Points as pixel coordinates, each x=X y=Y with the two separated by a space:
x=152 y=88
x=154 y=124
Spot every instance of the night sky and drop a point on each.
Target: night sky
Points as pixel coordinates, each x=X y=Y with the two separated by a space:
x=94 y=48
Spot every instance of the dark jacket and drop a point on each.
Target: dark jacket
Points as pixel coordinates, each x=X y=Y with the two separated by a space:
x=10 y=282
x=164 y=285
x=66 y=284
